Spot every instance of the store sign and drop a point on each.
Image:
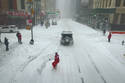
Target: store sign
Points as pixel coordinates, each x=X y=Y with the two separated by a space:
x=18 y=13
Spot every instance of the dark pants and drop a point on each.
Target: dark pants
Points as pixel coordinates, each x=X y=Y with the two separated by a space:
x=109 y=39
x=7 y=48
x=19 y=41
x=104 y=32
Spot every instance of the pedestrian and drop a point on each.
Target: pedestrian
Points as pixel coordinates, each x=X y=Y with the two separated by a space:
x=0 y=38
x=104 y=31
x=57 y=57
x=6 y=42
x=47 y=24
x=19 y=37
x=42 y=22
x=123 y=42
x=109 y=36
x=56 y=60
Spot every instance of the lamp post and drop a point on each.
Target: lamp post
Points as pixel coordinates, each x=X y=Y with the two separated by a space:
x=0 y=38
x=30 y=21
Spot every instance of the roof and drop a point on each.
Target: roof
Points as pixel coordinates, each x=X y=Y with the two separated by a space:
x=67 y=32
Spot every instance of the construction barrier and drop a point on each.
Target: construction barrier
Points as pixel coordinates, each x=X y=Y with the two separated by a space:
x=117 y=32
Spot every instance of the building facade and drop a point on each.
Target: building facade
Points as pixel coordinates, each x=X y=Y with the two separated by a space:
x=12 y=12
x=113 y=10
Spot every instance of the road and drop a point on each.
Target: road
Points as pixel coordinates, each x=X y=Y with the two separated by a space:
x=87 y=61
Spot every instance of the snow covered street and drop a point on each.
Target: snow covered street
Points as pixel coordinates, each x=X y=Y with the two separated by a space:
x=90 y=60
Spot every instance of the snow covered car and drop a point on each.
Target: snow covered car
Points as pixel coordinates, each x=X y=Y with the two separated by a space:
x=66 y=38
x=8 y=29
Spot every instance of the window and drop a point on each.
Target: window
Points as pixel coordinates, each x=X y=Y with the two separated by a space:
x=115 y=21
x=22 y=4
x=0 y=4
x=118 y=2
x=124 y=3
x=10 y=4
x=123 y=19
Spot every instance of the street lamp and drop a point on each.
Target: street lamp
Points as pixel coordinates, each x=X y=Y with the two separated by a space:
x=31 y=10
x=0 y=38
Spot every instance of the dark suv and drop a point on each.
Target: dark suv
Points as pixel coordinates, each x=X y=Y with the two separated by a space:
x=66 y=38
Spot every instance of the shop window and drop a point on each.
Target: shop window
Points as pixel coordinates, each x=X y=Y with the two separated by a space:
x=22 y=4
x=118 y=2
x=115 y=21
x=123 y=19
x=124 y=3
x=10 y=4
x=0 y=4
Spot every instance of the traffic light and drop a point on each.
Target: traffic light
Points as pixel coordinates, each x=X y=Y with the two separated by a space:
x=32 y=11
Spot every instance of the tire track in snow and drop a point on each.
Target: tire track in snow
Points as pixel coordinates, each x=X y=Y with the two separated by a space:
x=78 y=66
x=82 y=78
x=79 y=70
x=91 y=60
x=43 y=65
x=30 y=59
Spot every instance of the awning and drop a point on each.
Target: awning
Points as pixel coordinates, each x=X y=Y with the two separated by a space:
x=104 y=10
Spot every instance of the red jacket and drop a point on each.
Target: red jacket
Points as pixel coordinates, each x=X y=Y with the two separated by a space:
x=20 y=36
x=56 y=61
x=57 y=58
x=110 y=35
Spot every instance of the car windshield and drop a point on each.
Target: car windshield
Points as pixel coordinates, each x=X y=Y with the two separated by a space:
x=66 y=35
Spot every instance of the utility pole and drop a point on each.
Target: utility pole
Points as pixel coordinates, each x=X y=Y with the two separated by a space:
x=0 y=38
x=31 y=11
x=37 y=10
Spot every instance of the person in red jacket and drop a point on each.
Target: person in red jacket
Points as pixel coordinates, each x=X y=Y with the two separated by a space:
x=109 y=36
x=19 y=36
x=56 y=60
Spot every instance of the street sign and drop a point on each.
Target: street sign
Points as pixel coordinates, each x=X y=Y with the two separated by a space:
x=29 y=22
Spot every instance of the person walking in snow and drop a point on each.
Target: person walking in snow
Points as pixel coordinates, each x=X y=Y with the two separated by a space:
x=56 y=60
x=47 y=24
x=0 y=38
x=104 y=31
x=6 y=42
x=42 y=22
x=123 y=42
x=109 y=36
x=19 y=37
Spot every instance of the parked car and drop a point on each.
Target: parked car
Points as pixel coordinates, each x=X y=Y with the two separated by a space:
x=8 y=29
x=66 y=38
